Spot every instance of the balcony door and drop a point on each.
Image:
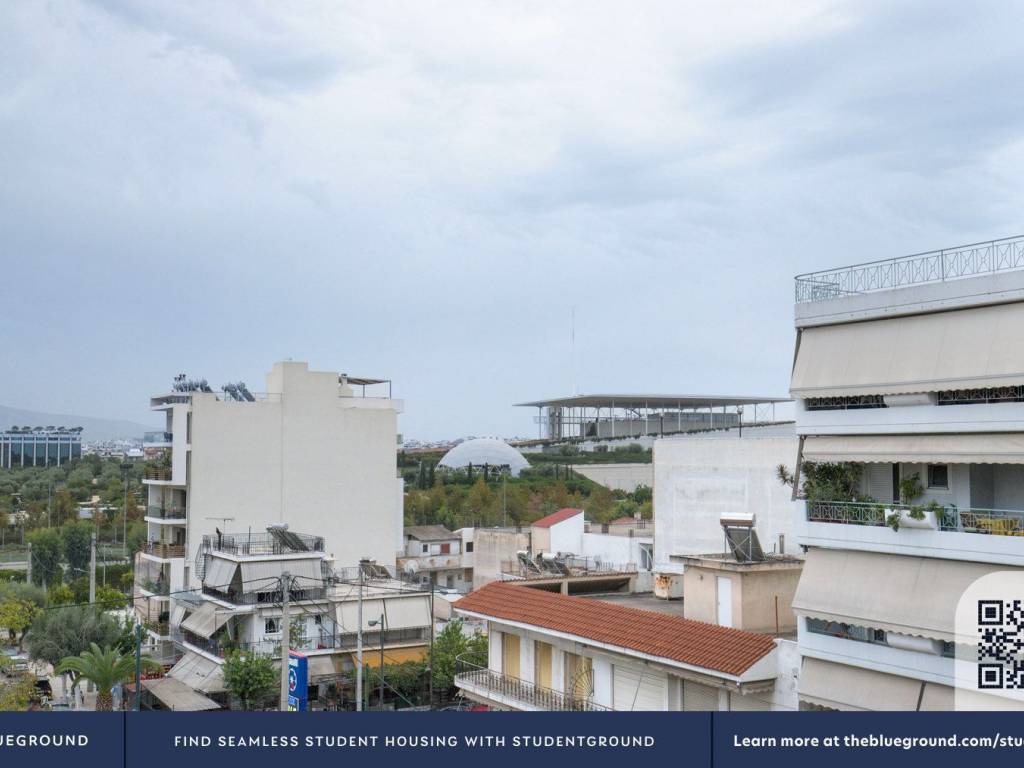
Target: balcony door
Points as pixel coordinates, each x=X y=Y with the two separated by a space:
x=510 y=655
x=542 y=664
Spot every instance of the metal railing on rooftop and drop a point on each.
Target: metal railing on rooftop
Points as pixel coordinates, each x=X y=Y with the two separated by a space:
x=916 y=269
x=283 y=543
x=1000 y=522
x=512 y=689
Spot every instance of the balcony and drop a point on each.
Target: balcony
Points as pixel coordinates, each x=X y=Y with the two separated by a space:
x=157 y=439
x=166 y=513
x=166 y=551
x=971 y=534
x=518 y=694
x=947 y=264
x=159 y=474
x=269 y=596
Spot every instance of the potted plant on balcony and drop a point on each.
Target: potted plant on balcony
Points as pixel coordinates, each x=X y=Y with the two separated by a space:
x=913 y=515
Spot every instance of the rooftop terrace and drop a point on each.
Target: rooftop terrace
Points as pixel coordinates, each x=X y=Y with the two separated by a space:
x=954 y=263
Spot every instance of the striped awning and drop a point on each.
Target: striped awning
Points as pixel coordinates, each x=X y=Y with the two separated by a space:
x=219 y=573
x=206 y=620
x=847 y=688
x=961 y=349
x=974 y=448
x=257 y=574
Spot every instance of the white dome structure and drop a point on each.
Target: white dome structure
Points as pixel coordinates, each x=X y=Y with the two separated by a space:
x=484 y=450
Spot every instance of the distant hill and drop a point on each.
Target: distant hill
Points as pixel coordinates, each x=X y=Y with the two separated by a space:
x=93 y=429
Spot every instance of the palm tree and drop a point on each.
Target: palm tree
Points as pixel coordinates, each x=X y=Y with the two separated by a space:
x=105 y=667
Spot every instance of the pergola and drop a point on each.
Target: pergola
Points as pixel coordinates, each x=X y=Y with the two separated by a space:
x=635 y=415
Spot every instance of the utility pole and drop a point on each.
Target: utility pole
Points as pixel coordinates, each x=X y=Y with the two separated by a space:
x=286 y=640
x=138 y=667
x=359 y=644
x=92 y=568
x=126 y=466
x=28 y=567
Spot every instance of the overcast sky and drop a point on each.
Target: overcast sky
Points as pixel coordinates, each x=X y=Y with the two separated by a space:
x=422 y=190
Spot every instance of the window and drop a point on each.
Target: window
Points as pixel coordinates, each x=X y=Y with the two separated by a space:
x=469 y=547
x=938 y=476
x=424 y=548
x=446 y=548
x=271 y=626
x=449 y=581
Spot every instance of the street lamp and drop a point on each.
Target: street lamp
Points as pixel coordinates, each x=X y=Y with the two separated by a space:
x=380 y=623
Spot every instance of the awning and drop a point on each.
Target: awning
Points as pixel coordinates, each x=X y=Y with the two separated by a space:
x=908 y=595
x=206 y=619
x=838 y=686
x=937 y=698
x=407 y=612
x=984 y=448
x=348 y=614
x=198 y=673
x=177 y=696
x=962 y=349
x=371 y=656
x=325 y=666
x=257 y=574
x=219 y=573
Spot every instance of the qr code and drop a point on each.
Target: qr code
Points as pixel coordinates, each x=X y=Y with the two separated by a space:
x=1001 y=645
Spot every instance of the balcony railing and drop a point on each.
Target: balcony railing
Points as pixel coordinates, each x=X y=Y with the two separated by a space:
x=160 y=549
x=323 y=641
x=269 y=596
x=999 y=522
x=511 y=689
x=165 y=513
x=157 y=438
x=162 y=474
x=159 y=587
x=916 y=269
x=281 y=543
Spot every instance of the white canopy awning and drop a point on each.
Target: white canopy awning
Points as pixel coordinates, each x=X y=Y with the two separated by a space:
x=348 y=614
x=177 y=696
x=977 y=448
x=198 y=672
x=407 y=612
x=897 y=593
x=206 y=620
x=961 y=349
x=258 y=575
x=838 y=686
x=219 y=573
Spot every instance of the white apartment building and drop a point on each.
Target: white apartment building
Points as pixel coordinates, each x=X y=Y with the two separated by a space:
x=549 y=651
x=911 y=371
x=314 y=450
x=239 y=607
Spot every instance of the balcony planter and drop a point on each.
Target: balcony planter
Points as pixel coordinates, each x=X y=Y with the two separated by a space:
x=928 y=520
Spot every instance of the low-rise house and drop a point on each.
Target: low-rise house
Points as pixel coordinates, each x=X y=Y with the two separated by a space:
x=433 y=556
x=555 y=652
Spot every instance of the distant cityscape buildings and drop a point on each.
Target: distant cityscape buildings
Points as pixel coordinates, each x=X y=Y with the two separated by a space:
x=39 y=446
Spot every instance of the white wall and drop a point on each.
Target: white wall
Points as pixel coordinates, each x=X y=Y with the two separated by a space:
x=696 y=480
x=567 y=536
x=620 y=477
x=321 y=462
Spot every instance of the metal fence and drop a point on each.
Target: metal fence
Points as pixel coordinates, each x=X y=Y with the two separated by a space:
x=916 y=269
x=1000 y=522
x=490 y=683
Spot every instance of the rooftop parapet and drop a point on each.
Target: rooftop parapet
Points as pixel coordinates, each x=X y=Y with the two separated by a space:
x=962 y=261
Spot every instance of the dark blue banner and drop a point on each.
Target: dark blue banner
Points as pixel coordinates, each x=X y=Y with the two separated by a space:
x=398 y=740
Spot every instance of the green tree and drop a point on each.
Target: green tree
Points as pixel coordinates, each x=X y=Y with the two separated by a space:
x=16 y=616
x=104 y=667
x=19 y=694
x=250 y=677
x=60 y=594
x=452 y=645
x=46 y=554
x=109 y=598
x=61 y=632
x=76 y=540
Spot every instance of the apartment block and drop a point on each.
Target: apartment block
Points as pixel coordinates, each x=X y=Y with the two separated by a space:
x=908 y=375
x=316 y=450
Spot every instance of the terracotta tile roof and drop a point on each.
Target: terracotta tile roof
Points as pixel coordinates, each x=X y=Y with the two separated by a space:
x=723 y=649
x=556 y=517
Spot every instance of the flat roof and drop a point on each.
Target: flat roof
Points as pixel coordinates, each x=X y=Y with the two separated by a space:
x=646 y=401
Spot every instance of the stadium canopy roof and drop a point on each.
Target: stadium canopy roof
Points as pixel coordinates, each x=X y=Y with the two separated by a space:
x=653 y=401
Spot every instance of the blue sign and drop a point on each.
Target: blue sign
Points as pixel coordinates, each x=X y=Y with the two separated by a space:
x=298 y=681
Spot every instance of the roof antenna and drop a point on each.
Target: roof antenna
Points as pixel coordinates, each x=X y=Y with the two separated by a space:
x=572 y=348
